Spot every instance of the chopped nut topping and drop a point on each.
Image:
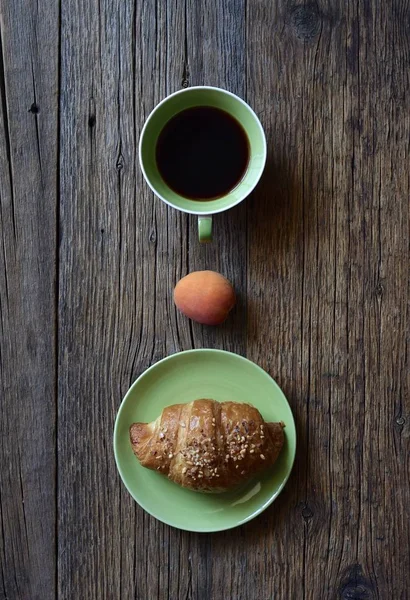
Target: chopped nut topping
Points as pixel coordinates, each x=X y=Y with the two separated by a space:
x=262 y=457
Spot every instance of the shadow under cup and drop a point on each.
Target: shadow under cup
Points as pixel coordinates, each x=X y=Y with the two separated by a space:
x=189 y=98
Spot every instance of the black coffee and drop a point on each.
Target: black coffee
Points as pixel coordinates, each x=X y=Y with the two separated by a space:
x=202 y=153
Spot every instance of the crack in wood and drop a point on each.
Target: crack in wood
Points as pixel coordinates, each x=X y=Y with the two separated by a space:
x=5 y=113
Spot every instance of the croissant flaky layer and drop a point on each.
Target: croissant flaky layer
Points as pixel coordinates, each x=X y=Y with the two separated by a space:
x=208 y=446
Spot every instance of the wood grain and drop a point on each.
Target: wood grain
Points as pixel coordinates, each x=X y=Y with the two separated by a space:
x=332 y=213
x=28 y=211
x=319 y=256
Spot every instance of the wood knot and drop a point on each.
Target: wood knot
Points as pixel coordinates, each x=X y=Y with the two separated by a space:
x=356 y=592
x=185 y=76
x=355 y=586
x=379 y=289
x=307 y=512
x=34 y=109
x=153 y=236
x=119 y=165
x=91 y=121
x=306 y=21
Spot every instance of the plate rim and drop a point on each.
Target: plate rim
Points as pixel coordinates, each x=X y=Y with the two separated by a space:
x=261 y=508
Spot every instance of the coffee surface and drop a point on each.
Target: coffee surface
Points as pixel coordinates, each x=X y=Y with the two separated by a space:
x=202 y=153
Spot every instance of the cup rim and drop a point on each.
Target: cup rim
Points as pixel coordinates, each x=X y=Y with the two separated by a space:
x=248 y=191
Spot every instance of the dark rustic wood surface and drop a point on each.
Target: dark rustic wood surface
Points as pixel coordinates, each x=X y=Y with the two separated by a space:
x=319 y=256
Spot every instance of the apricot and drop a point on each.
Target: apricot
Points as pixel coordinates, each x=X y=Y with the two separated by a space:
x=205 y=297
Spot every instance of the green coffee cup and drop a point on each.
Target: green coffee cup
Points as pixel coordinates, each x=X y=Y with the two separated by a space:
x=189 y=98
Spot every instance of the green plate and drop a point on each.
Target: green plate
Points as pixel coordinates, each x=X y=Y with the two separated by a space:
x=184 y=377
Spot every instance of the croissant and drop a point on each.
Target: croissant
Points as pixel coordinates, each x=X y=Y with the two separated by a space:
x=207 y=446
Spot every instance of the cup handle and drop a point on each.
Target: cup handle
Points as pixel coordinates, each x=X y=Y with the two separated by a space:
x=205 y=229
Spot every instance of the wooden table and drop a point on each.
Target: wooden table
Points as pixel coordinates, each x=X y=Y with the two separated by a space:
x=319 y=256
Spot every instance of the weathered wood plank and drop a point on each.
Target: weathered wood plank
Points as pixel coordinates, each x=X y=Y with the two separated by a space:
x=384 y=185
x=275 y=273
x=114 y=292
x=97 y=170
x=328 y=266
x=28 y=246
